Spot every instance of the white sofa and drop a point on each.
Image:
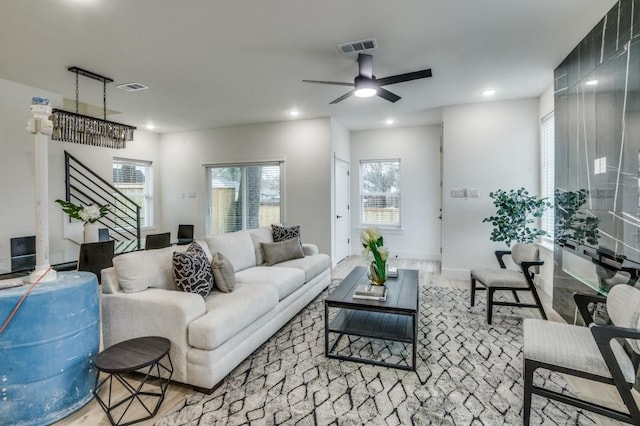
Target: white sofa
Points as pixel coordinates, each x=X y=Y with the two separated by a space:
x=209 y=336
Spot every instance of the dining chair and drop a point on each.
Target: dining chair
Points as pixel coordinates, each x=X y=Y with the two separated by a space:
x=185 y=234
x=94 y=257
x=23 y=253
x=526 y=257
x=601 y=353
x=157 y=241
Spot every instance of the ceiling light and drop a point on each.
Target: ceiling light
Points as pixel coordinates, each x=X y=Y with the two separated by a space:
x=591 y=82
x=489 y=92
x=150 y=126
x=390 y=121
x=364 y=87
x=294 y=113
x=365 y=92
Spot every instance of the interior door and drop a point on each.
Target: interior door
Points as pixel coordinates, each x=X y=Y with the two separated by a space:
x=342 y=219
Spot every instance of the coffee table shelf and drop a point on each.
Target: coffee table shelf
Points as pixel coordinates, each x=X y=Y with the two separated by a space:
x=395 y=319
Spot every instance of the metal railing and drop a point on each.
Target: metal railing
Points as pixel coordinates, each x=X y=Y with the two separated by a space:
x=85 y=187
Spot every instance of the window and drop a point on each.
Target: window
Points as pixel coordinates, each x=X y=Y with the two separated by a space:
x=547 y=184
x=134 y=178
x=380 y=192
x=243 y=196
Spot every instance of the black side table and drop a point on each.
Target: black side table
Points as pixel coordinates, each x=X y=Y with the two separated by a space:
x=127 y=357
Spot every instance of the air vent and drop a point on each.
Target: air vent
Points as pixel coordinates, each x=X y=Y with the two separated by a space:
x=132 y=87
x=358 y=46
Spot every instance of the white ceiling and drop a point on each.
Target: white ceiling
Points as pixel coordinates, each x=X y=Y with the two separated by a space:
x=212 y=63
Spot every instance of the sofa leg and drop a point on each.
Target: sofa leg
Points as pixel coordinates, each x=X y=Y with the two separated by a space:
x=208 y=391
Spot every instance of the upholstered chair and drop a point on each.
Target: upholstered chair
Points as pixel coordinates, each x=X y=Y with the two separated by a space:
x=603 y=353
x=526 y=257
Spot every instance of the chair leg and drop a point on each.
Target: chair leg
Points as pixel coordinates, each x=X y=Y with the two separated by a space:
x=529 y=369
x=515 y=296
x=489 y=304
x=473 y=290
x=538 y=302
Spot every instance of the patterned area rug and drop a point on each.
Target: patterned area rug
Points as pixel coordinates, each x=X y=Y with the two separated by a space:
x=468 y=373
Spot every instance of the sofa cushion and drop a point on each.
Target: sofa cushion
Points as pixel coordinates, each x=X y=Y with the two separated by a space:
x=281 y=233
x=260 y=235
x=236 y=246
x=229 y=313
x=225 y=278
x=140 y=270
x=192 y=270
x=281 y=251
x=286 y=280
x=311 y=265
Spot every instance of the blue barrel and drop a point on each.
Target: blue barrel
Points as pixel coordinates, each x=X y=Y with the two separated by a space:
x=48 y=349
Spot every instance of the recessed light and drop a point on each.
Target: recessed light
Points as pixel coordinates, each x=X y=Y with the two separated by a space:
x=389 y=121
x=591 y=82
x=489 y=92
x=150 y=126
x=294 y=113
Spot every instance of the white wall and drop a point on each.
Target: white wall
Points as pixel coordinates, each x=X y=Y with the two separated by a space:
x=487 y=146
x=304 y=145
x=419 y=151
x=17 y=166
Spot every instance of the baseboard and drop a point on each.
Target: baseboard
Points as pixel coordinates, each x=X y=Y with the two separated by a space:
x=455 y=274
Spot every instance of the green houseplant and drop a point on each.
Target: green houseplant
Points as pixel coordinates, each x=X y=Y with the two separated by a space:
x=517 y=211
x=573 y=224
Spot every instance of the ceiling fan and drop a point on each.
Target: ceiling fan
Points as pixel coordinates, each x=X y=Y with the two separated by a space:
x=366 y=84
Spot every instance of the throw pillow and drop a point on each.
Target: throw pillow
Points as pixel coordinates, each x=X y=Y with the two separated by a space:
x=281 y=251
x=191 y=270
x=281 y=233
x=223 y=273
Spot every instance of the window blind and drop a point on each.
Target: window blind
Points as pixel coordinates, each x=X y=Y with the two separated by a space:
x=547 y=173
x=134 y=178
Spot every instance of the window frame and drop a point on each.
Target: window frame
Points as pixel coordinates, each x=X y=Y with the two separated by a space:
x=243 y=166
x=149 y=196
x=382 y=225
x=547 y=174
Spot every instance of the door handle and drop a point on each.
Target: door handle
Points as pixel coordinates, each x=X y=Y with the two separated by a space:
x=338 y=217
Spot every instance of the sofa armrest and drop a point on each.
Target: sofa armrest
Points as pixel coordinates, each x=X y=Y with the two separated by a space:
x=310 y=249
x=152 y=312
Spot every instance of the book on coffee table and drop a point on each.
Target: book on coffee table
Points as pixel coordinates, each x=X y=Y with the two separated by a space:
x=371 y=292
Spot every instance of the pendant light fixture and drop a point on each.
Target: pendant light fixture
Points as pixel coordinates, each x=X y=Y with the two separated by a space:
x=86 y=130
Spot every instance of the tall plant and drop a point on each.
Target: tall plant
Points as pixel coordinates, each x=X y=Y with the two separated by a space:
x=574 y=224
x=517 y=211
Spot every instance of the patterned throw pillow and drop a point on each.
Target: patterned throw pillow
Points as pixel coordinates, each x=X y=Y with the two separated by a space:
x=192 y=271
x=281 y=233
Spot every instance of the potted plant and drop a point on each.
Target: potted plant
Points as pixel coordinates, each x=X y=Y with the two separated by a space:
x=87 y=214
x=517 y=212
x=372 y=241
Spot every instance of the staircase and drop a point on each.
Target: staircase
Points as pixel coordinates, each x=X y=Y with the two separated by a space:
x=85 y=187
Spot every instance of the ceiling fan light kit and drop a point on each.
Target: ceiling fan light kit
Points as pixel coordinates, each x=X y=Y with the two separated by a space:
x=86 y=130
x=366 y=84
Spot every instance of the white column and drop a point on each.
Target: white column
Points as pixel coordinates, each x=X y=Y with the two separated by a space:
x=41 y=127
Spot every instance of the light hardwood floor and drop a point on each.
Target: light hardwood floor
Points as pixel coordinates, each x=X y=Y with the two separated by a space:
x=92 y=414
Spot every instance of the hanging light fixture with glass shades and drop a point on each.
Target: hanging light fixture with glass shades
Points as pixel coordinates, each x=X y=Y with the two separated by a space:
x=83 y=129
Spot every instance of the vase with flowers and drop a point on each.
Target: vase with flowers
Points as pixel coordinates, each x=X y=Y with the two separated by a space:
x=372 y=241
x=87 y=214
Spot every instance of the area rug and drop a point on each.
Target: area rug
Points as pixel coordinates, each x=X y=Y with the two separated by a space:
x=468 y=373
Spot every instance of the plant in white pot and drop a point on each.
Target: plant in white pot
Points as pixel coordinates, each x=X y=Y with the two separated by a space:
x=88 y=214
x=516 y=215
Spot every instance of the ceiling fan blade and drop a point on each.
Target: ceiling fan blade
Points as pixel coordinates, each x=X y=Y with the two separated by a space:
x=404 y=77
x=334 y=83
x=365 y=65
x=385 y=94
x=342 y=98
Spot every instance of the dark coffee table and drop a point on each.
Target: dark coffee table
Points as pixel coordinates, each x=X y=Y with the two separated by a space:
x=395 y=319
x=128 y=357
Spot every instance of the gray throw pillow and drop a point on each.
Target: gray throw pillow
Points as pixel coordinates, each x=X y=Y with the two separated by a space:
x=281 y=251
x=191 y=270
x=223 y=274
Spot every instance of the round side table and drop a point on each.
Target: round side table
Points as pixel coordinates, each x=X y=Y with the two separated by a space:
x=128 y=357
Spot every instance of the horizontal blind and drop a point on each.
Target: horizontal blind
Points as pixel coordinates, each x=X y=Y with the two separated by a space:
x=547 y=173
x=134 y=179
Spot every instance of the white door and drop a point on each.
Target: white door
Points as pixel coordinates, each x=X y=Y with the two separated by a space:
x=342 y=220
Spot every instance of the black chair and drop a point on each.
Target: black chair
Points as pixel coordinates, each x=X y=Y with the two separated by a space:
x=602 y=353
x=503 y=279
x=103 y=234
x=94 y=257
x=185 y=234
x=157 y=241
x=23 y=253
